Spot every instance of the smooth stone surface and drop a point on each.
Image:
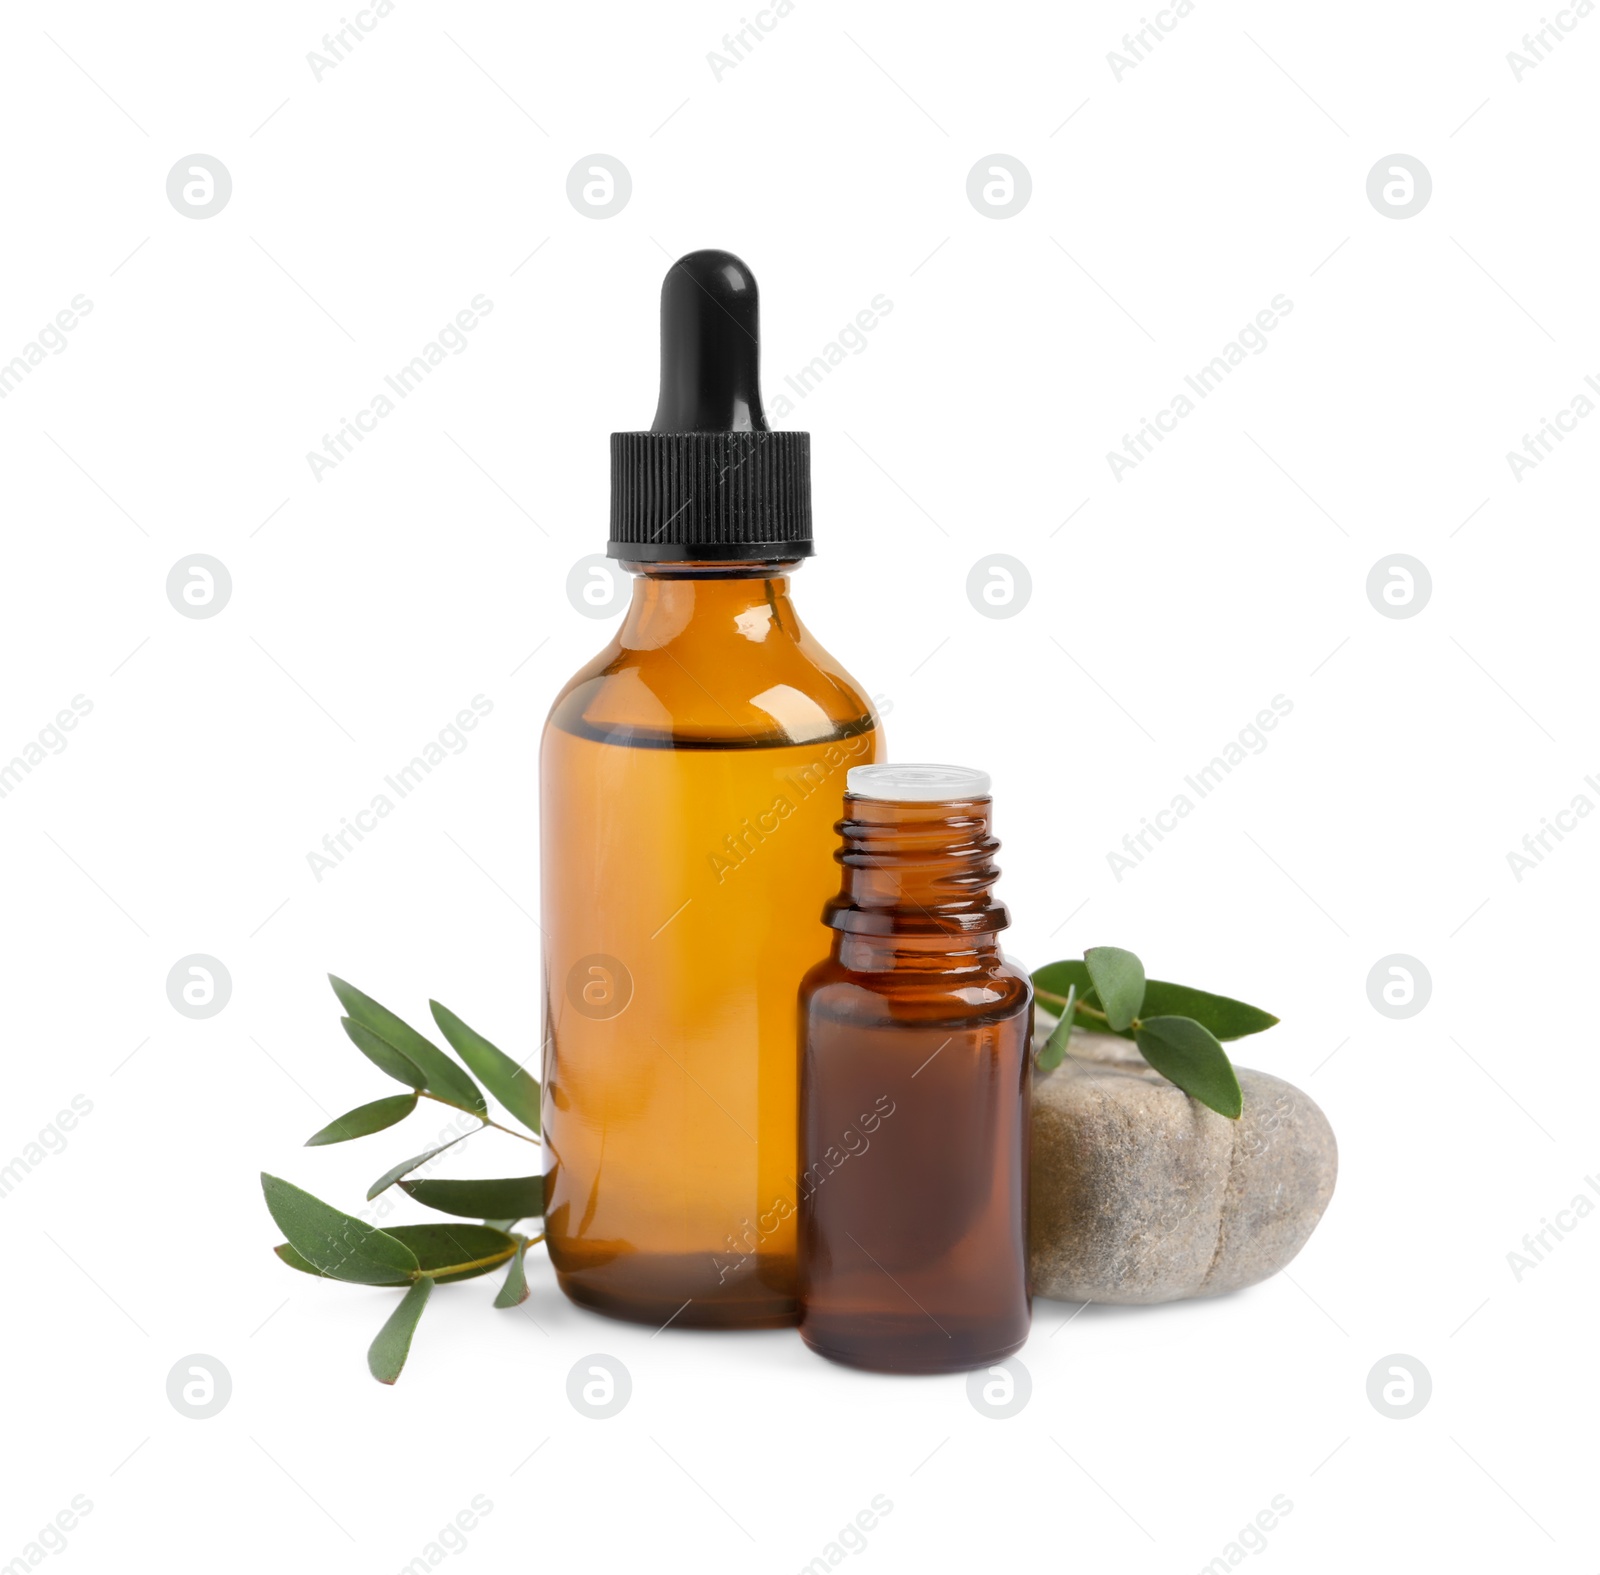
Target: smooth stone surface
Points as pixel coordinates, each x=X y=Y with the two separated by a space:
x=1141 y=1194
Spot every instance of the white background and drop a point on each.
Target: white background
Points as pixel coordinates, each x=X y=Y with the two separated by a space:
x=1168 y=607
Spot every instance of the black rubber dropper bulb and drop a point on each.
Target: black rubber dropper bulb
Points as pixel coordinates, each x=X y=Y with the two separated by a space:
x=710 y=481
x=710 y=347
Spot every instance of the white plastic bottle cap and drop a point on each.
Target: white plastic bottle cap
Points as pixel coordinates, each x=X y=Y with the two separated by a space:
x=921 y=784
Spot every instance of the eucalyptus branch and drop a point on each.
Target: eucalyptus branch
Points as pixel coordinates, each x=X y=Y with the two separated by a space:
x=324 y=1241
x=1178 y=1030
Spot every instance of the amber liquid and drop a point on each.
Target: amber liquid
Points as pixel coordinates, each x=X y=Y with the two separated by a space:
x=686 y=842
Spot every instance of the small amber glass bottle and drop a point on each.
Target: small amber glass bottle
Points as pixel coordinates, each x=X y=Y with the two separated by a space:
x=915 y=1080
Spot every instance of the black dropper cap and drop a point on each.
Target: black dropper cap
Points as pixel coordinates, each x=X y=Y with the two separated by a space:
x=710 y=480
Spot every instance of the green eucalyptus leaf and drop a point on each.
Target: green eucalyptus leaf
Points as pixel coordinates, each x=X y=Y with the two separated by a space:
x=406 y=1166
x=334 y=1243
x=1221 y=1017
x=1055 y=1047
x=1118 y=981
x=450 y=1252
x=515 y=1198
x=444 y=1077
x=383 y=1055
x=1189 y=1054
x=515 y=1290
x=386 y=1356
x=295 y=1261
x=365 y=1120
x=515 y=1088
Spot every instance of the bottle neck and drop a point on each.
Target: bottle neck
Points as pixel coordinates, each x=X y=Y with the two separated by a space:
x=918 y=882
x=750 y=598
x=944 y=955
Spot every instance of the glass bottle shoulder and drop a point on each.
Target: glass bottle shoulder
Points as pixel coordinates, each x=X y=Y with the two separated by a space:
x=923 y=993
x=729 y=667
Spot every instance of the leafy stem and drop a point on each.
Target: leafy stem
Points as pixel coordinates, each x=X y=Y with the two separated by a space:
x=423 y=1093
x=1179 y=1030
x=1093 y=1011
x=492 y=1260
x=1060 y=1001
x=324 y=1241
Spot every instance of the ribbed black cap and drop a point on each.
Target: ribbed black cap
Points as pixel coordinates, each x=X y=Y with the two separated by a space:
x=710 y=480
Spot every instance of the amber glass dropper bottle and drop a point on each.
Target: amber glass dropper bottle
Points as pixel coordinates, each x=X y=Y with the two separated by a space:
x=689 y=780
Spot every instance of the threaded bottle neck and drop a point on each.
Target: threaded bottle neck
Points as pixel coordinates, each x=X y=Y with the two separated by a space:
x=916 y=869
